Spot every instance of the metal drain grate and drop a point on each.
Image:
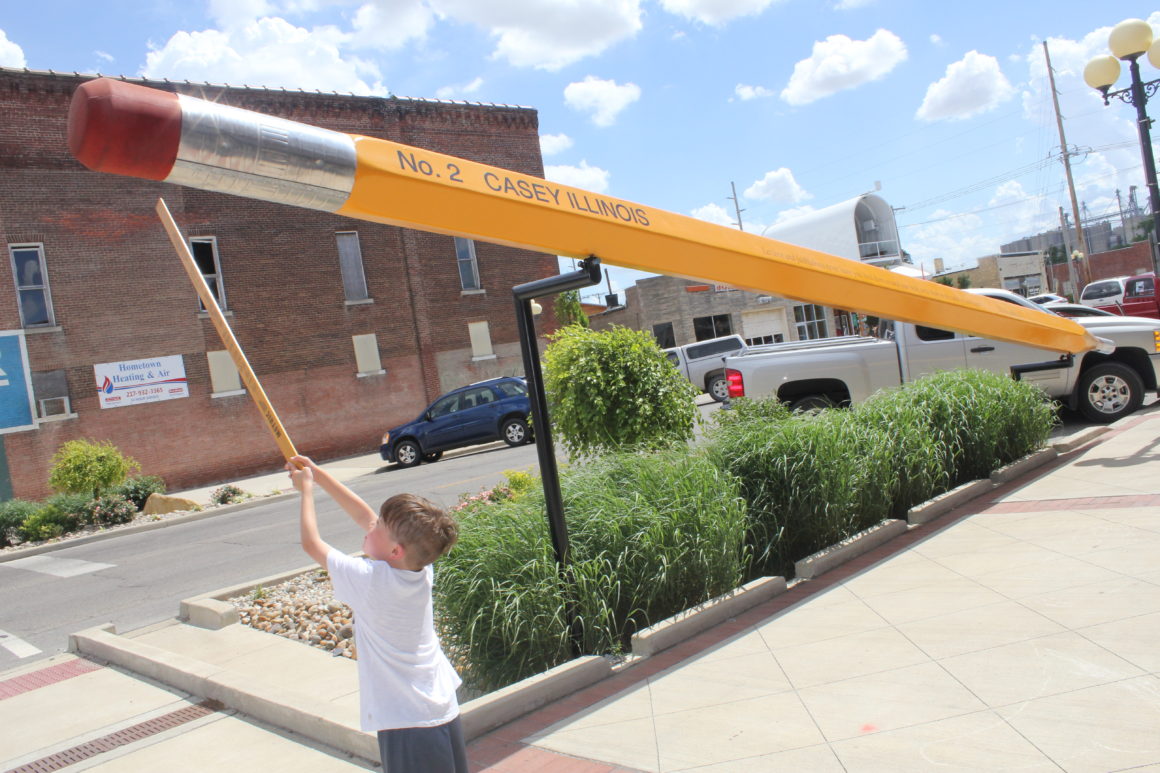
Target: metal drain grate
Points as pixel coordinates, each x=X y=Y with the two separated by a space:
x=10 y=688
x=128 y=735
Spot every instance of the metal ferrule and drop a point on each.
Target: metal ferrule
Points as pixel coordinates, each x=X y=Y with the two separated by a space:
x=229 y=150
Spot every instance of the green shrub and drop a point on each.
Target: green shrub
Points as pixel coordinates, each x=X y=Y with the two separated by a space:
x=138 y=489
x=227 y=495
x=615 y=390
x=69 y=511
x=981 y=420
x=89 y=467
x=13 y=513
x=920 y=455
x=110 y=511
x=650 y=534
x=520 y=482
x=41 y=525
x=810 y=481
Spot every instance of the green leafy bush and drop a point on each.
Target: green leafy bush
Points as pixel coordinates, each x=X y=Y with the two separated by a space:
x=568 y=309
x=138 y=489
x=111 y=510
x=615 y=390
x=920 y=455
x=651 y=535
x=228 y=495
x=89 y=467
x=41 y=525
x=810 y=481
x=13 y=513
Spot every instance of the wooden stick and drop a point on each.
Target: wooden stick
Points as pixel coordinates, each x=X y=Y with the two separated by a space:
x=223 y=328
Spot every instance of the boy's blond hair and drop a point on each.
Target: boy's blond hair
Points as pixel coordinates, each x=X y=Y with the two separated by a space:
x=423 y=528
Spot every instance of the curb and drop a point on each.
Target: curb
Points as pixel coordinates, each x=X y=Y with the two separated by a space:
x=1032 y=461
x=687 y=624
x=944 y=503
x=296 y=713
x=209 y=512
x=829 y=558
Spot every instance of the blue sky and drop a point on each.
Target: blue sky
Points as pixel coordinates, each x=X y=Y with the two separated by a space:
x=799 y=103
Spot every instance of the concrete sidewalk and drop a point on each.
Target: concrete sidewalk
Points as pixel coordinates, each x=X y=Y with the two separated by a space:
x=1018 y=631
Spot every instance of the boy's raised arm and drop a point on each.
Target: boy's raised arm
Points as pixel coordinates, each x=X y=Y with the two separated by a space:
x=312 y=542
x=359 y=511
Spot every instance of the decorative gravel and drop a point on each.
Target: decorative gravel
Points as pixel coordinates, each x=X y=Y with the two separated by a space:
x=302 y=609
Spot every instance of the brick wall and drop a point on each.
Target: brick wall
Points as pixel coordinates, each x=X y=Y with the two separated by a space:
x=1134 y=259
x=119 y=292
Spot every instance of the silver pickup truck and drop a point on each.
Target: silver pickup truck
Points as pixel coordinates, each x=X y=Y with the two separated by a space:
x=837 y=371
x=701 y=363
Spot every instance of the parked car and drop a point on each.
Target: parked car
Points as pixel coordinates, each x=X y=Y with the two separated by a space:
x=1104 y=293
x=1065 y=309
x=1043 y=298
x=1140 y=298
x=477 y=413
x=701 y=363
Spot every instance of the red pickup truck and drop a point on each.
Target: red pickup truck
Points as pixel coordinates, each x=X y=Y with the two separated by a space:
x=1140 y=298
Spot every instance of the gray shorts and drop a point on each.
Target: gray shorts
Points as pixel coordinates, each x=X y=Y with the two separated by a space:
x=438 y=749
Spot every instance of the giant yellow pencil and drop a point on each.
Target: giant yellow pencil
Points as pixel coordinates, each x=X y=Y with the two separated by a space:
x=128 y=129
x=249 y=378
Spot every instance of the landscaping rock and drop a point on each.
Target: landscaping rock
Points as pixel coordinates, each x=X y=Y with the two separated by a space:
x=158 y=504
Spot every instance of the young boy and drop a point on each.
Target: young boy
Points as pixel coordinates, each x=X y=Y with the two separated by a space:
x=406 y=684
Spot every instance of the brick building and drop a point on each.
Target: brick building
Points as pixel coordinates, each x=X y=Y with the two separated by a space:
x=351 y=326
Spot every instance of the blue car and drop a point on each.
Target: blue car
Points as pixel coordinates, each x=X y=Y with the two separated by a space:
x=478 y=413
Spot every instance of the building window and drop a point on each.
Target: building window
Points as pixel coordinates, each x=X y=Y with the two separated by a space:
x=31 y=284
x=224 y=378
x=712 y=327
x=776 y=338
x=205 y=255
x=50 y=392
x=664 y=335
x=468 y=268
x=480 y=341
x=366 y=355
x=350 y=262
x=810 y=321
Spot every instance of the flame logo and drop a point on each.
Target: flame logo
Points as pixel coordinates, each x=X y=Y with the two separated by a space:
x=106 y=387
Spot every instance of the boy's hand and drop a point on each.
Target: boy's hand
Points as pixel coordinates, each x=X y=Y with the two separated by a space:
x=302 y=461
x=302 y=478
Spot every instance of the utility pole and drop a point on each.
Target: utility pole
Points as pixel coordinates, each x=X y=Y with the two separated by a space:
x=1067 y=252
x=1066 y=155
x=736 y=205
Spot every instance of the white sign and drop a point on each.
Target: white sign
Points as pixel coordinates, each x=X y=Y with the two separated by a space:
x=141 y=381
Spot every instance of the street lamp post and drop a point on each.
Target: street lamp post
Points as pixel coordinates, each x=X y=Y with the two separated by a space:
x=1129 y=40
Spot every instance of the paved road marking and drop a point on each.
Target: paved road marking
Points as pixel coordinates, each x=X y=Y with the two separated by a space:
x=46 y=676
x=58 y=567
x=17 y=646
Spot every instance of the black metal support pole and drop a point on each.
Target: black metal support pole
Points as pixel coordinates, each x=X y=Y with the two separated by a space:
x=1143 y=124
x=588 y=274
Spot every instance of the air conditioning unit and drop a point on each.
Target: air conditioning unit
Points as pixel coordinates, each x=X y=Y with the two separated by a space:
x=54 y=406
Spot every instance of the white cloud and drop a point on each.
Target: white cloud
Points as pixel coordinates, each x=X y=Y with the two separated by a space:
x=590 y=178
x=971 y=86
x=551 y=144
x=602 y=99
x=849 y=5
x=388 y=25
x=713 y=213
x=104 y=56
x=715 y=12
x=459 y=92
x=957 y=240
x=778 y=185
x=936 y=39
x=267 y=52
x=530 y=35
x=11 y=55
x=746 y=93
x=839 y=63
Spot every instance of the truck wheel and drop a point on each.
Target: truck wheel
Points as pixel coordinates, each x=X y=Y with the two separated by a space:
x=515 y=432
x=719 y=388
x=407 y=453
x=1108 y=392
x=811 y=404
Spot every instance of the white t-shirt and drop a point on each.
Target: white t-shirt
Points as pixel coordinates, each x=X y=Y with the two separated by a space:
x=405 y=680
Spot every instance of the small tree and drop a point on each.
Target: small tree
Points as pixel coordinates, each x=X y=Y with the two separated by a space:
x=945 y=280
x=89 y=467
x=568 y=309
x=963 y=281
x=615 y=389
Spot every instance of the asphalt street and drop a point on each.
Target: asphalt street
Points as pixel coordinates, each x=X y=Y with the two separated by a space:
x=134 y=580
